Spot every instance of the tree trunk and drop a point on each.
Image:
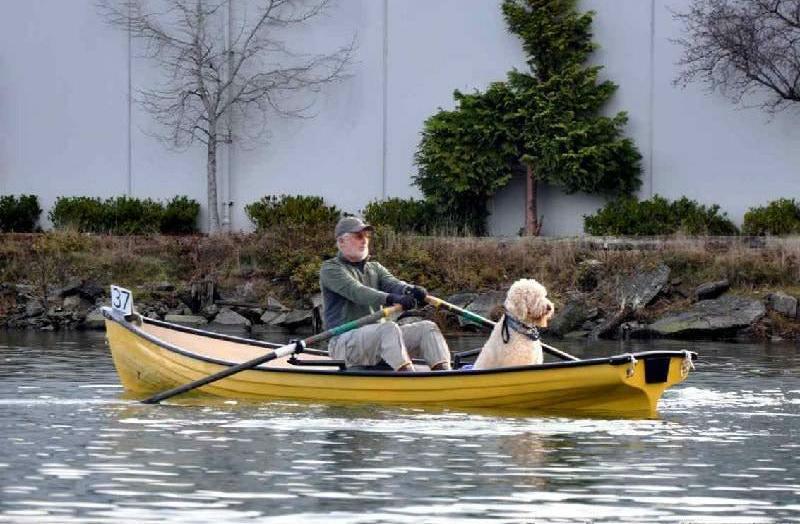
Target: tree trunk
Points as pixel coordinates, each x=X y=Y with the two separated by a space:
x=533 y=225
x=211 y=173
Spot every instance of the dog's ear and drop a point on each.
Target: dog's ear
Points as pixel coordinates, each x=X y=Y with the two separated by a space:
x=516 y=301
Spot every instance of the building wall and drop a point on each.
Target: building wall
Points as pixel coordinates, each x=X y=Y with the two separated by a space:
x=66 y=129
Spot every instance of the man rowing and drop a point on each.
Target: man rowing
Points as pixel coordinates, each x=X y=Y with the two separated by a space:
x=354 y=286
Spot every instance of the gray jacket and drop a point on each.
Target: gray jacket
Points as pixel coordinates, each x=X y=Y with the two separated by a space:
x=354 y=290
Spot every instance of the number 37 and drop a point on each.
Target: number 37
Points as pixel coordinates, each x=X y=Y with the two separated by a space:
x=121 y=300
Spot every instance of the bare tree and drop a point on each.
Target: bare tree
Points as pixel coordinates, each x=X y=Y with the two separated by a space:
x=224 y=74
x=743 y=47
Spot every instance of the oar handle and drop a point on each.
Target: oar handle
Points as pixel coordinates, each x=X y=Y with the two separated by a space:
x=474 y=317
x=282 y=351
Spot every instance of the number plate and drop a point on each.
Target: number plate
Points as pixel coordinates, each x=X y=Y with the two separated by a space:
x=122 y=300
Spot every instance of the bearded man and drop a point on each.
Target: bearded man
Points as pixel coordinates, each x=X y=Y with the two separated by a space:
x=354 y=286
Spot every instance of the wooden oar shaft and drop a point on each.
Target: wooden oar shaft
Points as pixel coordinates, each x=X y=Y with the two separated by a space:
x=282 y=351
x=474 y=317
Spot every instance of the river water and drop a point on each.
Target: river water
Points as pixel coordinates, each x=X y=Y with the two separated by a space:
x=73 y=448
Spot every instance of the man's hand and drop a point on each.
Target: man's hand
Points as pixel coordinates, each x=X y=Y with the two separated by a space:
x=406 y=301
x=418 y=292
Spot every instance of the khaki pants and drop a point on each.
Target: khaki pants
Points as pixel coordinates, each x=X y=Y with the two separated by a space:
x=395 y=344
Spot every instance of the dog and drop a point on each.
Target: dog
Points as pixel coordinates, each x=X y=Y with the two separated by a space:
x=515 y=338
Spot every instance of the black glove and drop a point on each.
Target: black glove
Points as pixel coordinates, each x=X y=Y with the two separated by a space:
x=404 y=300
x=418 y=292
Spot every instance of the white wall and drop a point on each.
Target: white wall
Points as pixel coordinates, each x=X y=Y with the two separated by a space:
x=64 y=127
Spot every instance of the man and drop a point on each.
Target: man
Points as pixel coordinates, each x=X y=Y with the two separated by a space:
x=353 y=287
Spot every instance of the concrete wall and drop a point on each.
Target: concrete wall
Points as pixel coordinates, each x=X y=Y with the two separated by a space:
x=65 y=126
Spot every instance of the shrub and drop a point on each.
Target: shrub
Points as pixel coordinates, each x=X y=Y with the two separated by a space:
x=779 y=217
x=288 y=210
x=19 y=214
x=658 y=216
x=180 y=216
x=125 y=215
x=401 y=215
x=133 y=216
x=86 y=214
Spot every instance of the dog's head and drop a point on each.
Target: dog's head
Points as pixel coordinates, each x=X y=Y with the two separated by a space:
x=527 y=300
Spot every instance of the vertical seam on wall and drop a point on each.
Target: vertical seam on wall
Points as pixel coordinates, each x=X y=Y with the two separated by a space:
x=651 y=110
x=385 y=94
x=130 y=106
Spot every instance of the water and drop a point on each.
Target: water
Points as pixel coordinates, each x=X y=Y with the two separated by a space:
x=73 y=448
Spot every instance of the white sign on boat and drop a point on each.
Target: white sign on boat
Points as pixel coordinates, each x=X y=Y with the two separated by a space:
x=122 y=300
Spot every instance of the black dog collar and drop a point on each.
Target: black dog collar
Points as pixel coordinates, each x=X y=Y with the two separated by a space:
x=510 y=322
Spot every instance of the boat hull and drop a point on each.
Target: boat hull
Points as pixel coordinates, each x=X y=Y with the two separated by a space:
x=147 y=364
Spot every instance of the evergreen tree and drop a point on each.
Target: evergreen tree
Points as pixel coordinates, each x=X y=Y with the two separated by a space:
x=545 y=120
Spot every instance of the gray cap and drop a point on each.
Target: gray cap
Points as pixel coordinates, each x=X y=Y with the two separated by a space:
x=351 y=225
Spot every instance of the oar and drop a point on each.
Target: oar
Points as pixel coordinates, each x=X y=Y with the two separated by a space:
x=469 y=315
x=276 y=353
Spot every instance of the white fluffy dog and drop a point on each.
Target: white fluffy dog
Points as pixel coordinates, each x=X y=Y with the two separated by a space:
x=515 y=338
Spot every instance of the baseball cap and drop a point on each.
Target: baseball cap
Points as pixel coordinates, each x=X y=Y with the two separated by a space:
x=351 y=225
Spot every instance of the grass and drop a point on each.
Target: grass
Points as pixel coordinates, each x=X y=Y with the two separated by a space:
x=283 y=262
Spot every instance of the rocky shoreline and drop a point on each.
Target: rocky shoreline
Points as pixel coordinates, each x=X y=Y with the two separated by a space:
x=646 y=304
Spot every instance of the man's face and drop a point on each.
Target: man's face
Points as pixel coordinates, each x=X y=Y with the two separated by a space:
x=354 y=246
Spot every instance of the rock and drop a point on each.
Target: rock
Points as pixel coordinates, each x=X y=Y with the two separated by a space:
x=641 y=288
x=589 y=274
x=77 y=303
x=715 y=318
x=782 y=303
x=487 y=305
x=164 y=286
x=189 y=320
x=226 y=317
x=91 y=291
x=573 y=315
x=274 y=305
x=297 y=318
x=269 y=316
x=34 y=309
x=461 y=300
x=210 y=311
x=71 y=288
x=94 y=320
x=711 y=290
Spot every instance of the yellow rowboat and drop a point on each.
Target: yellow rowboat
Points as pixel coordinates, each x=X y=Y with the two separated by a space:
x=151 y=356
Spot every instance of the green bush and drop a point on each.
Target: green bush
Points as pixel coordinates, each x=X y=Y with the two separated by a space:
x=125 y=215
x=401 y=215
x=80 y=213
x=19 y=214
x=779 y=217
x=658 y=216
x=180 y=216
x=288 y=210
x=133 y=216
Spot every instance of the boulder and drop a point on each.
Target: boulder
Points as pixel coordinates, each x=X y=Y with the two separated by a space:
x=227 y=317
x=716 y=318
x=94 y=320
x=189 y=320
x=487 y=305
x=34 y=308
x=461 y=300
x=782 y=303
x=297 y=318
x=572 y=316
x=589 y=274
x=269 y=316
x=274 y=305
x=640 y=289
x=711 y=290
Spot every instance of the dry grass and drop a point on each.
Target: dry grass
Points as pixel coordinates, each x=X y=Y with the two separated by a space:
x=283 y=262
